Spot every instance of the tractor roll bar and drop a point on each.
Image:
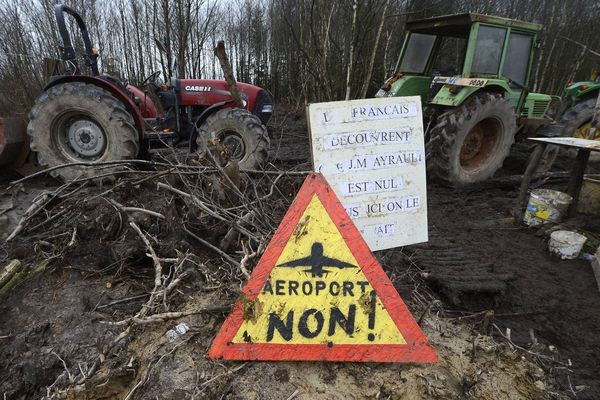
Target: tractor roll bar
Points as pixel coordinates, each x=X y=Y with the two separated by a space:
x=68 y=52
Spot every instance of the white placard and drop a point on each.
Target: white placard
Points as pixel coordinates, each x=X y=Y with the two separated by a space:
x=373 y=155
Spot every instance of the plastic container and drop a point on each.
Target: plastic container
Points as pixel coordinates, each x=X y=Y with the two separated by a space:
x=546 y=206
x=566 y=244
x=589 y=198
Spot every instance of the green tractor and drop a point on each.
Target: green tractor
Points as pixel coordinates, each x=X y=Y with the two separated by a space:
x=472 y=72
x=578 y=105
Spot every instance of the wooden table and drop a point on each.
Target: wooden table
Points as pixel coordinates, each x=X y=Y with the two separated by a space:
x=584 y=148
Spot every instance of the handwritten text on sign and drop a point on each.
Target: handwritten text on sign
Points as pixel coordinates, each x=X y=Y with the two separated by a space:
x=372 y=153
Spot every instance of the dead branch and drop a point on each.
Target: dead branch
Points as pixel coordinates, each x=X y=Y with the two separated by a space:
x=71 y=380
x=249 y=255
x=516 y=346
x=228 y=372
x=210 y=246
x=126 y=209
x=151 y=366
x=162 y=317
x=175 y=315
x=109 y=163
x=120 y=301
x=283 y=173
x=40 y=201
x=228 y=239
x=157 y=265
x=202 y=205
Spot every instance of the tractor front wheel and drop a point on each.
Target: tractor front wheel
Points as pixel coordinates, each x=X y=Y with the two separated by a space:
x=469 y=143
x=239 y=133
x=78 y=122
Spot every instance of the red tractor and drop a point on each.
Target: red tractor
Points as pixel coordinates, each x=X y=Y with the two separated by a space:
x=96 y=118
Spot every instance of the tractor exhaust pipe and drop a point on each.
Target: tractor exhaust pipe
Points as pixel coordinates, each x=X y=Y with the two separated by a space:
x=68 y=52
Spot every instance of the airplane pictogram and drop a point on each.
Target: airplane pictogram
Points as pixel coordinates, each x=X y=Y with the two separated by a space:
x=316 y=261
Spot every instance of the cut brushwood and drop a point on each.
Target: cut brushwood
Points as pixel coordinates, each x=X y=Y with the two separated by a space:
x=8 y=271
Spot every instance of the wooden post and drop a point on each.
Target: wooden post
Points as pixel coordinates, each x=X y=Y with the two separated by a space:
x=228 y=72
x=531 y=168
x=576 y=180
x=596 y=267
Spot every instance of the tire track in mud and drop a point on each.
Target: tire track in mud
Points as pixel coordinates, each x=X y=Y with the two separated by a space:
x=458 y=273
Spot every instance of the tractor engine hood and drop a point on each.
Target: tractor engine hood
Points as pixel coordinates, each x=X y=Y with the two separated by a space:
x=205 y=92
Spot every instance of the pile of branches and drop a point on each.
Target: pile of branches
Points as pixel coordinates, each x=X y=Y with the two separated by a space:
x=171 y=218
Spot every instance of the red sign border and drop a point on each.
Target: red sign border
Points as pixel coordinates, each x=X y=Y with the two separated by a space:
x=416 y=348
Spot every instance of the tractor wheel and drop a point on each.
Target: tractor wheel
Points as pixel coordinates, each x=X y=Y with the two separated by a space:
x=78 y=122
x=468 y=144
x=241 y=133
x=577 y=120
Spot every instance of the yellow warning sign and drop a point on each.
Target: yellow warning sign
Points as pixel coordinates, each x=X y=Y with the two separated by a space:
x=318 y=293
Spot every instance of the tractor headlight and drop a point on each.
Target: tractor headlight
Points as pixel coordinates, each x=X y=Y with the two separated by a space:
x=263 y=106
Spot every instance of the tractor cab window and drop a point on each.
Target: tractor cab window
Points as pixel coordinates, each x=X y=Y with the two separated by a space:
x=488 y=50
x=417 y=52
x=450 y=56
x=516 y=60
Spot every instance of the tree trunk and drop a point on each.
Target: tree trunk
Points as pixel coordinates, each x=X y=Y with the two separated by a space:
x=369 y=73
x=228 y=72
x=352 y=44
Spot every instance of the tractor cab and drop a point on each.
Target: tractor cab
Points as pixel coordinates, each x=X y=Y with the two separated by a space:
x=446 y=59
x=472 y=73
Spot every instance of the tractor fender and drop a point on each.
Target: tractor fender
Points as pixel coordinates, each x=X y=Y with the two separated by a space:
x=201 y=118
x=446 y=98
x=583 y=90
x=110 y=87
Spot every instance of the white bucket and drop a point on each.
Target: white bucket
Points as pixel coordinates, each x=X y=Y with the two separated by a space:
x=546 y=206
x=566 y=244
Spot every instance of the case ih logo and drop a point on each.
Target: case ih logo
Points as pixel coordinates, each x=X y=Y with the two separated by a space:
x=198 y=88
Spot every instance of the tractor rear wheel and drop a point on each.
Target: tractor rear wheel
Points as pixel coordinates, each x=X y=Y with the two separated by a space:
x=577 y=120
x=469 y=143
x=241 y=133
x=78 y=122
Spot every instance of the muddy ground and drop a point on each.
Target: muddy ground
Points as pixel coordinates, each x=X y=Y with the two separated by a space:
x=490 y=277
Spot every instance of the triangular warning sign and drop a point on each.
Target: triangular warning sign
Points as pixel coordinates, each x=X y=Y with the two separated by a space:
x=318 y=293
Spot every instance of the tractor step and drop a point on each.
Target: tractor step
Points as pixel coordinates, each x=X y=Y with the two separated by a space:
x=158 y=135
x=160 y=139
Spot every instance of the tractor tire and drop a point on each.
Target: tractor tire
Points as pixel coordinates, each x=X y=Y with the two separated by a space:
x=578 y=119
x=78 y=122
x=469 y=143
x=241 y=133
